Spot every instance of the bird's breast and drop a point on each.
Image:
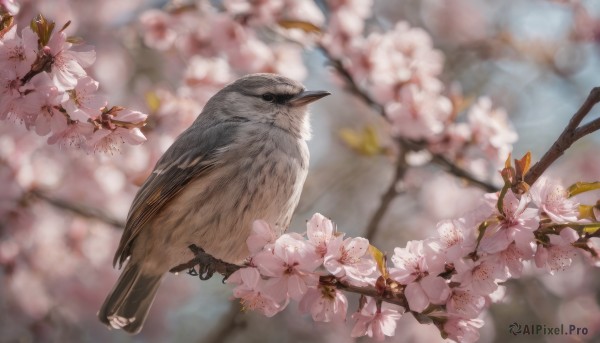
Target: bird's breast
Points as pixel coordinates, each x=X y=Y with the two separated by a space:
x=259 y=178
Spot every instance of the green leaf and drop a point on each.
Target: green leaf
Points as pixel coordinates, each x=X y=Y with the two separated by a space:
x=153 y=101
x=365 y=142
x=379 y=257
x=591 y=229
x=298 y=24
x=582 y=187
x=481 y=232
x=43 y=28
x=586 y=212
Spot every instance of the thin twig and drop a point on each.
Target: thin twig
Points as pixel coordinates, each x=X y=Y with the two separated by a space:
x=569 y=135
x=388 y=196
x=461 y=173
x=80 y=210
x=587 y=129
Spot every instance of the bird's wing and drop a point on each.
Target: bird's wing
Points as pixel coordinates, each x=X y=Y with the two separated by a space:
x=193 y=155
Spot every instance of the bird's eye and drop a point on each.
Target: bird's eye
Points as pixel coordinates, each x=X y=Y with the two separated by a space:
x=268 y=97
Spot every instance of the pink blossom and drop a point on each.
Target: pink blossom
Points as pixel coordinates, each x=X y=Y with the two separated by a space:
x=459 y=22
x=409 y=263
x=594 y=245
x=559 y=253
x=417 y=113
x=250 y=291
x=479 y=277
x=491 y=129
x=10 y=95
x=244 y=50
x=344 y=29
x=325 y=304
x=158 y=29
x=115 y=130
x=290 y=266
x=11 y=6
x=517 y=223
x=511 y=261
x=207 y=72
x=258 y=13
x=374 y=322
x=67 y=66
x=361 y=8
x=304 y=10
x=465 y=303
x=43 y=104
x=452 y=140
x=287 y=60
x=551 y=198
x=319 y=231
x=397 y=58
x=104 y=140
x=463 y=330
x=82 y=103
x=348 y=259
x=430 y=289
x=74 y=134
x=261 y=237
x=454 y=240
x=18 y=53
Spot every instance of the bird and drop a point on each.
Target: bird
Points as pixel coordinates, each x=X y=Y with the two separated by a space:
x=244 y=158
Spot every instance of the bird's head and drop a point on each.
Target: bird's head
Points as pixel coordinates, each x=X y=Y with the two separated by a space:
x=266 y=98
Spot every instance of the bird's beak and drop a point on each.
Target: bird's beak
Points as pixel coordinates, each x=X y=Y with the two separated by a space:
x=306 y=97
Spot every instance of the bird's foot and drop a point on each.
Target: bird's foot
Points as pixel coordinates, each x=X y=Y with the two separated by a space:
x=207 y=265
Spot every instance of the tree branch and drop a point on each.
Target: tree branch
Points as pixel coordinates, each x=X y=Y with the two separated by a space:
x=77 y=209
x=569 y=135
x=388 y=196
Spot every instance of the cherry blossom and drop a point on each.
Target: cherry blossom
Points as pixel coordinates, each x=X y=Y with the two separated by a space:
x=516 y=223
x=73 y=134
x=375 y=322
x=462 y=330
x=481 y=276
x=290 y=266
x=18 y=53
x=464 y=303
x=68 y=65
x=412 y=263
x=551 y=198
x=10 y=95
x=157 y=29
x=418 y=113
x=348 y=259
x=455 y=240
x=430 y=289
x=43 y=104
x=249 y=290
x=262 y=237
x=320 y=232
x=82 y=102
x=325 y=304
x=491 y=129
x=559 y=253
x=11 y=6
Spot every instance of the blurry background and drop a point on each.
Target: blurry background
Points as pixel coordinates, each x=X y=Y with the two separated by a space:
x=537 y=59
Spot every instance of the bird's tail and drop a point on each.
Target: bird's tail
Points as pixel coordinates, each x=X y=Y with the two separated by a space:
x=127 y=305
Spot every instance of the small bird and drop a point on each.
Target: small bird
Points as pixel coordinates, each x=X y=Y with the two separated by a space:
x=244 y=158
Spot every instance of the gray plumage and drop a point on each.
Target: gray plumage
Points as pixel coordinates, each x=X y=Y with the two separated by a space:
x=244 y=158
